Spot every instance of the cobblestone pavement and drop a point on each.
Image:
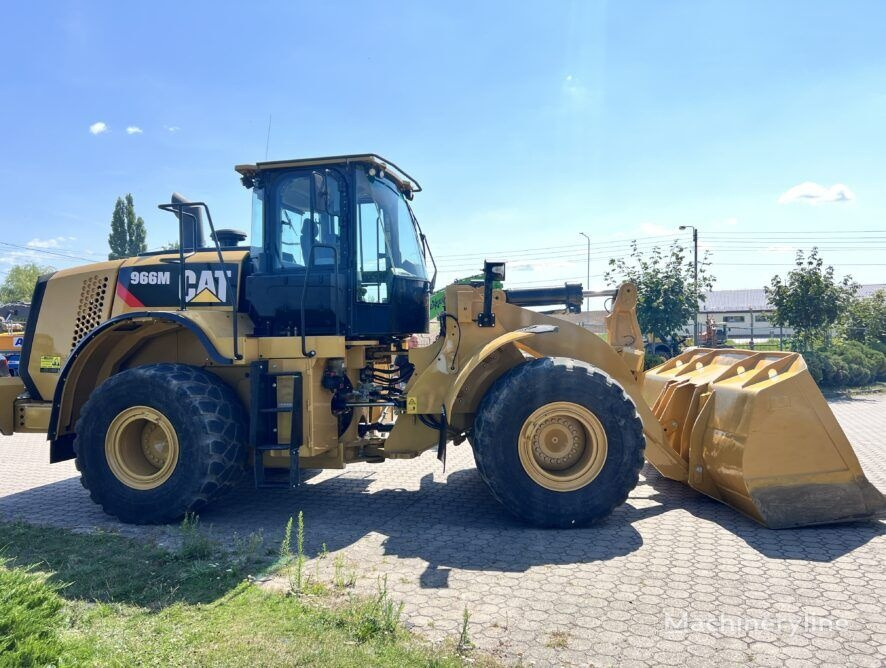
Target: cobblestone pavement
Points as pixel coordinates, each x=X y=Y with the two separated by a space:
x=671 y=578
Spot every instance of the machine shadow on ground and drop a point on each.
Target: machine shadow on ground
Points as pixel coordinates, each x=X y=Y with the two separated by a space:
x=451 y=524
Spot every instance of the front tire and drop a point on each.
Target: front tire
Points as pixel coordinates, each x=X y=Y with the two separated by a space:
x=158 y=441
x=558 y=442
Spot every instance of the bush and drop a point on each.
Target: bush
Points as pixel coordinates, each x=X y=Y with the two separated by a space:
x=864 y=356
x=835 y=371
x=815 y=364
x=858 y=375
x=652 y=360
x=848 y=364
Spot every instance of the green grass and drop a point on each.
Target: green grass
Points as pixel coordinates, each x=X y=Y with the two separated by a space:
x=100 y=599
x=31 y=622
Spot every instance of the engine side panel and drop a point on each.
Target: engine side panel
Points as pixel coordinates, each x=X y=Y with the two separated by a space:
x=73 y=303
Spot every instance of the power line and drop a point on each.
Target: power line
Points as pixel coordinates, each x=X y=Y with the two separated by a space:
x=534 y=255
x=47 y=252
x=526 y=262
x=801 y=236
x=562 y=279
x=786 y=264
x=880 y=231
x=720 y=247
x=598 y=244
x=576 y=254
x=719 y=244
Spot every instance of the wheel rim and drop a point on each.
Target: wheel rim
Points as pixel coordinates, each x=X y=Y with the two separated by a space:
x=141 y=447
x=562 y=446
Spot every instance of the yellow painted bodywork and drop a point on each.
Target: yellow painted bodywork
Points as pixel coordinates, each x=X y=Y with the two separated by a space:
x=10 y=388
x=74 y=303
x=32 y=416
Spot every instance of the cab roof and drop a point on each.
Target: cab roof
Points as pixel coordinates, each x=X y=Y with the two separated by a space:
x=404 y=180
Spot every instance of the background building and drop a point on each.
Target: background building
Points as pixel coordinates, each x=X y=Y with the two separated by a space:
x=744 y=314
x=748 y=314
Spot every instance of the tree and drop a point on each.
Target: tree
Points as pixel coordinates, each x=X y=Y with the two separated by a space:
x=865 y=319
x=666 y=291
x=127 y=237
x=18 y=286
x=809 y=300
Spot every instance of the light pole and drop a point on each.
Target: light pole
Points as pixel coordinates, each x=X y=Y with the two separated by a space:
x=695 y=264
x=588 y=286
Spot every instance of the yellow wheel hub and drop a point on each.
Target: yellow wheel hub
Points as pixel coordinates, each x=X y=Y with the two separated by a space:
x=141 y=447
x=562 y=446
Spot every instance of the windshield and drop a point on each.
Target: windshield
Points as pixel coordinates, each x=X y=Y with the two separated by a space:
x=388 y=242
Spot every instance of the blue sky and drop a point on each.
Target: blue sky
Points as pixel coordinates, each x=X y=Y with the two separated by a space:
x=763 y=124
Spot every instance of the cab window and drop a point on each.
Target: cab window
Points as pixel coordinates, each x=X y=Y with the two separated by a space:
x=306 y=217
x=388 y=243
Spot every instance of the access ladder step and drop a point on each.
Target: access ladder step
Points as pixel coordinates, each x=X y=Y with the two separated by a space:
x=264 y=409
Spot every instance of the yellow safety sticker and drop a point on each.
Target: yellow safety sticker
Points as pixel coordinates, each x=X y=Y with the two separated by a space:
x=412 y=405
x=50 y=363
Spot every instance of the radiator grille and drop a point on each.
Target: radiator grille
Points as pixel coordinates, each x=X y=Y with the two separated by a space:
x=91 y=309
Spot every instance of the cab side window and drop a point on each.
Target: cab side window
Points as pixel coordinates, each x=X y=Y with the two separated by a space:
x=307 y=213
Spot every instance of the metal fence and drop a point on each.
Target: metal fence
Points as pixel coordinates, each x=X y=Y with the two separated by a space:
x=746 y=329
x=755 y=337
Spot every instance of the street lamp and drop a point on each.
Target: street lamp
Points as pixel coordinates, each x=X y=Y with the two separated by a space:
x=695 y=263
x=588 y=286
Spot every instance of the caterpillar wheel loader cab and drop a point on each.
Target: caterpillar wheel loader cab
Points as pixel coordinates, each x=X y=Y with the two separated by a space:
x=170 y=375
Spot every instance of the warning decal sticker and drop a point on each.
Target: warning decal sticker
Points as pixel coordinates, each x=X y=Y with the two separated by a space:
x=50 y=363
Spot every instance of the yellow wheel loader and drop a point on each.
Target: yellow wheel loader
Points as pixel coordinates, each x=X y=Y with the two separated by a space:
x=169 y=375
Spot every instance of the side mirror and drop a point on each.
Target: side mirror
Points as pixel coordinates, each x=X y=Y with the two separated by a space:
x=324 y=195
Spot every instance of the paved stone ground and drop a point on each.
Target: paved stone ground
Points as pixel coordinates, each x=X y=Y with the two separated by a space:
x=671 y=578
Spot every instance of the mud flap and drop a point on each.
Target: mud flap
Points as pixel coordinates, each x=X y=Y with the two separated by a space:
x=758 y=435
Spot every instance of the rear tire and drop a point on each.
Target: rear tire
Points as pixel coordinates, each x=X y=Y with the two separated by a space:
x=558 y=442
x=157 y=441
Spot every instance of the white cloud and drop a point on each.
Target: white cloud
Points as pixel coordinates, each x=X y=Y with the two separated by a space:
x=54 y=242
x=133 y=130
x=814 y=193
x=731 y=221
x=20 y=257
x=172 y=128
x=98 y=127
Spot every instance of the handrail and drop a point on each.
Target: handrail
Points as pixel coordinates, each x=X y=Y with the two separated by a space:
x=304 y=292
x=179 y=207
